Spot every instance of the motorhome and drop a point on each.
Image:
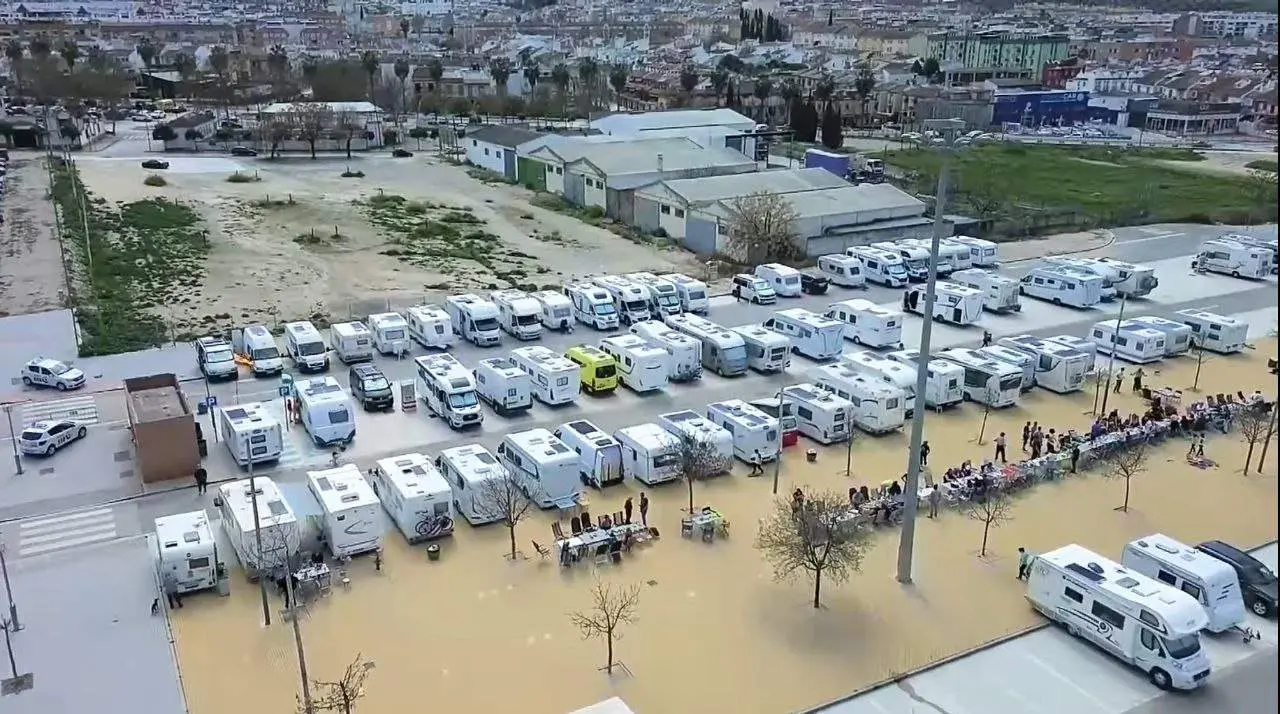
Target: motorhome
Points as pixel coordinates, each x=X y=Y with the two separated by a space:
x=1211 y=582
x=1140 y=621
x=554 y=310
x=592 y=305
x=281 y=533
x=554 y=378
x=880 y=266
x=431 y=327
x=326 y=411
x=518 y=314
x=599 y=455
x=415 y=496
x=820 y=415
x=350 y=511
x=1130 y=341
x=641 y=366
x=843 y=270
x=986 y=381
x=1083 y=268
x=900 y=374
x=715 y=443
x=474 y=319
x=1001 y=293
x=818 y=337
x=915 y=258
x=756 y=435
x=982 y=253
x=351 y=341
x=1270 y=244
x=878 y=407
x=216 y=358
x=306 y=347
x=257 y=347
x=448 y=390
x=543 y=467
x=1017 y=358
x=783 y=411
x=784 y=279
x=1214 y=332
x=691 y=291
x=252 y=433
x=723 y=351
x=1079 y=344
x=630 y=300
x=1059 y=368
x=1234 y=259
x=767 y=351
x=1129 y=279
x=943 y=383
x=684 y=353
x=953 y=303
x=502 y=385
x=1177 y=336
x=952 y=255
x=755 y=290
x=390 y=333
x=650 y=454
x=866 y=323
x=663 y=299
x=477 y=481
x=186 y=552
x=597 y=371
x=1062 y=287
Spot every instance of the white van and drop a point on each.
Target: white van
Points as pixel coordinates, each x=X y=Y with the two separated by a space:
x=1212 y=582
x=518 y=314
x=592 y=305
x=986 y=381
x=723 y=351
x=1214 y=332
x=1128 y=340
x=692 y=293
x=899 y=373
x=543 y=467
x=641 y=366
x=767 y=351
x=431 y=327
x=820 y=415
x=390 y=333
x=1062 y=287
x=630 y=300
x=554 y=377
x=753 y=289
x=982 y=253
x=866 y=323
x=953 y=303
x=944 y=381
x=415 y=495
x=878 y=407
x=1001 y=292
x=1082 y=267
x=755 y=434
x=448 y=390
x=650 y=454
x=684 y=353
x=1059 y=368
x=1234 y=259
x=599 y=455
x=351 y=341
x=349 y=510
x=915 y=258
x=1017 y=358
x=474 y=319
x=715 y=452
x=842 y=270
x=326 y=411
x=251 y=433
x=880 y=266
x=784 y=279
x=501 y=384
x=663 y=298
x=306 y=347
x=815 y=336
x=1177 y=336
x=472 y=472
x=256 y=344
x=554 y=310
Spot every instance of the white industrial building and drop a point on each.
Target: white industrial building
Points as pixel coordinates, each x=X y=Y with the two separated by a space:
x=494 y=148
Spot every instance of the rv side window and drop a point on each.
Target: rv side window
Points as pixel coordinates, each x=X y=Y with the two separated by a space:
x=974 y=378
x=1038 y=281
x=1214 y=328
x=1148 y=619
x=1122 y=341
x=1097 y=333
x=1149 y=640
x=1073 y=595
x=195 y=563
x=339 y=416
x=804 y=413
x=1166 y=577
x=441 y=509
x=1107 y=615
x=1193 y=590
x=257 y=438
x=728 y=426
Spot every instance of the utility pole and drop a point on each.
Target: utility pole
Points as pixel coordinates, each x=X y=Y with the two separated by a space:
x=1195 y=384
x=307 y=706
x=13 y=440
x=14 y=622
x=257 y=535
x=777 y=463
x=848 y=449
x=1111 y=363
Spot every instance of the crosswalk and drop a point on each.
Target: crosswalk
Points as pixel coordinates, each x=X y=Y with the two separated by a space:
x=49 y=534
x=83 y=410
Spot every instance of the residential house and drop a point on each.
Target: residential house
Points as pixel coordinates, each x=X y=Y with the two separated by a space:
x=836 y=36
x=892 y=43
x=1104 y=80
x=1263 y=108
x=493 y=148
x=193 y=129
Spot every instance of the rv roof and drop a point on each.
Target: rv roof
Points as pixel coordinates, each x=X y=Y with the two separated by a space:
x=413 y=475
x=538 y=442
x=474 y=462
x=649 y=435
x=341 y=488
x=742 y=412
x=505 y=365
x=273 y=509
x=806 y=317
x=429 y=311
x=1179 y=609
x=686 y=415
x=257 y=331
x=1167 y=550
x=586 y=428
x=250 y=412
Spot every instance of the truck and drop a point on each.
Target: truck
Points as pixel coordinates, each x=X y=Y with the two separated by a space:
x=867 y=170
x=165 y=440
x=837 y=164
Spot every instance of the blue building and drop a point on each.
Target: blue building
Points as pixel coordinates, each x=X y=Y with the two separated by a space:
x=1049 y=107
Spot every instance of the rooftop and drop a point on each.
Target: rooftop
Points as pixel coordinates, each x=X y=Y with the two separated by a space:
x=506 y=136
x=708 y=189
x=674 y=119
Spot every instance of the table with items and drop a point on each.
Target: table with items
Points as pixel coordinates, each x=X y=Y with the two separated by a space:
x=575 y=547
x=314 y=579
x=708 y=523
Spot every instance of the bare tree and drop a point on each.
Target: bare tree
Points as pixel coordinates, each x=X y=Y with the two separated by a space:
x=340 y=696
x=502 y=500
x=762 y=228
x=611 y=608
x=349 y=126
x=1271 y=432
x=311 y=121
x=699 y=460
x=273 y=133
x=820 y=538
x=1254 y=423
x=992 y=511
x=1125 y=463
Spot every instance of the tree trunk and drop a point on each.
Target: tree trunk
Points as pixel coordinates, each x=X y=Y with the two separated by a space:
x=1266 y=440
x=817 y=589
x=689 y=482
x=986 y=530
x=608 y=665
x=982 y=430
x=511 y=530
x=1125 y=507
x=1248 y=458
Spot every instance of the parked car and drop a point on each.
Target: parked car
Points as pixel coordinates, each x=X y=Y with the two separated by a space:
x=44 y=438
x=45 y=372
x=370 y=387
x=1257 y=582
x=243 y=151
x=813 y=283
x=401 y=153
x=141 y=118
x=155 y=164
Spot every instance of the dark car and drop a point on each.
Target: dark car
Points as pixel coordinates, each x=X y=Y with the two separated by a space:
x=155 y=164
x=813 y=283
x=401 y=153
x=1257 y=582
x=243 y=151
x=370 y=387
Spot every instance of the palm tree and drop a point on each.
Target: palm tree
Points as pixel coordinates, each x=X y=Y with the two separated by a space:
x=588 y=72
x=371 y=64
x=70 y=52
x=762 y=90
x=186 y=66
x=15 y=53
x=401 y=69
x=500 y=70
x=40 y=48
x=561 y=78
x=220 y=63
x=532 y=73
x=618 y=77
x=435 y=71
x=147 y=51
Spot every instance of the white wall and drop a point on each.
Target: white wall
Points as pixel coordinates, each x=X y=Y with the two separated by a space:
x=593 y=191
x=486 y=155
x=670 y=222
x=555 y=178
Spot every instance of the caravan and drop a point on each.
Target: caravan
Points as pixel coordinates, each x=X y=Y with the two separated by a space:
x=257 y=347
x=1082 y=267
x=1059 y=368
x=1214 y=332
x=186 y=552
x=474 y=319
x=501 y=384
x=954 y=303
x=306 y=347
x=1017 y=358
x=878 y=407
x=349 y=509
x=943 y=384
x=663 y=299
x=326 y=411
x=1234 y=259
x=691 y=291
x=475 y=478
x=1062 y=287
x=880 y=266
x=784 y=279
x=650 y=454
x=554 y=377
x=986 y=381
x=1130 y=341
x=982 y=253
x=592 y=305
x=599 y=455
x=351 y=341
x=951 y=256
x=866 y=323
x=898 y=373
x=641 y=366
x=1177 y=336
x=842 y=270
x=518 y=314
x=767 y=351
x=755 y=434
x=1079 y=344
x=543 y=467
x=1254 y=242
x=723 y=351
x=684 y=354
x=415 y=496
x=1129 y=279
x=691 y=425
x=251 y=433
x=630 y=300
x=448 y=390
x=390 y=333
x=820 y=415
x=1211 y=582
x=554 y=310
x=431 y=327
x=281 y=533
x=815 y=336
x=1000 y=291
x=915 y=258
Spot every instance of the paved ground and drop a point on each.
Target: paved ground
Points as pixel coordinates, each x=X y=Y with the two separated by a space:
x=1249 y=687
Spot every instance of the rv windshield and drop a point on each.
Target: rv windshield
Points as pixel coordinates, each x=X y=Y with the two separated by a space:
x=394 y=334
x=1182 y=647
x=668 y=300
x=733 y=355
x=604 y=308
x=463 y=400
x=526 y=319
x=1011 y=381
x=308 y=349
x=635 y=306
x=607 y=370
x=917 y=263
x=266 y=353
x=486 y=325
x=218 y=356
x=896 y=268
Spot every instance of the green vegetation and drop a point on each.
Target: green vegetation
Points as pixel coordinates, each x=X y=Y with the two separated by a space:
x=318 y=238
x=155 y=180
x=487 y=177
x=594 y=215
x=1262 y=165
x=269 y=202
x=240 y=177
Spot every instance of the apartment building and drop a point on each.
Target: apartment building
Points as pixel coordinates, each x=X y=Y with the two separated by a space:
x=819 y=34
x=998 y=49
x=1252 y=25
x=892 y=43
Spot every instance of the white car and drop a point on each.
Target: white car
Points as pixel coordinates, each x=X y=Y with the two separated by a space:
x=45 y=372
x=46 y=437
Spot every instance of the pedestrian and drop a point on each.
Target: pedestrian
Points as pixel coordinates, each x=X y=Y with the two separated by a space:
x=202 y=480
x=377 y=560
x=1200 y=446
x=935 y=499
x=1025 y=560
x=1026 y=436
x=924 y=453
x=1119 y=380
x=644 y=510
x=986 y=338
x=1001 y=444
x=1137 y=380
x=757 y=464
x=171 y=593
x=1191 y=448
x=626 y=511
x=1075 y=457
x=1035 y=445
x=1051 y=442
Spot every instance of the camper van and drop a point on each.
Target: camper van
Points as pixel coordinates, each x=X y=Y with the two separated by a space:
x=684 y=353
x=878 y=407
x=1130 y=341
x=518 y=314
x=554 y=378
x=431 y=327
x=1081 y=267
x=554 y=310
x=1017 y=358
x=982 y=253
x=900 y=374
x=1211 y=582
x=351 y=341
x=1254 y=242
x=390 y=333
x=258 y=347
x=543 y=467
x=650 y=454
x=1140 y=621
x=868 y=324
x=592 y=305
x=690 y=425
x=641 y=366
x=415 y=496
x=216 y=358
x=326 y=411
x=784 y=279
x=820 y=415
x=723 y=351
x=448 y=390
x=756 y=435
x=1214 y=332
x=279 y=527
x=815 y=336
x=663 y=299
x=1234 y=259
x=630 y=300
x=597 y=371
x=1062 y=287
x=350 y=511
x=474 y=319
x=1129 y=279
x=1177 y=336
x=306 y=347
x=251 y=433
x=944 y=381
x=1059 y=368
x=880 y=266
x=599 y=455
x=1000 y=291
x=692 y=293
x=502 y=385
x=1078 y=344
x=842 y=270
x=186 y=553
x=951 y=255
x=953 y=303
x=915 y=258
x=767 y=351
x=986 y=381
x=472 y=472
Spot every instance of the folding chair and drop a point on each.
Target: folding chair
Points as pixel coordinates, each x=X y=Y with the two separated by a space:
x=686 y=528
x=617 y=518
x=557 y=531
x=602 y=554
x=575 y=526
x=542 y=551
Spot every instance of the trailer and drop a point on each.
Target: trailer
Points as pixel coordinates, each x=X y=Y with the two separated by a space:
x=842 y=270
x=349 y=510
x=1059 y=368
x=1177 y=335
x=599 y=455
x=276 y=527
x=878 y=407
x=630 y=300
x=723 y=351
x=767 y=351
x=415 y=496
x=944 y=381
x=252 y=433
x=1214 y=332
x=684 y=353
x=1128 y=340
x=431 y=327
x=756 y=435
x=1017 y=358
x=475 y=478
x=641 y=366
x=390 y=333
x=554 y=310
x=650 y=454
x=866 y=323
x=815 y=336
x=503 y=385
x=820 y=415
x=543 y=467
x=1000 y=292
x=690 y=425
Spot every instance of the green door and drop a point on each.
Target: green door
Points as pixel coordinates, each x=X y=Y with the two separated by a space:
x=531 y=173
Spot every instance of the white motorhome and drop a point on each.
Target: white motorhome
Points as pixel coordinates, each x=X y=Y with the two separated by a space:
x=944 y=381
x=691 y=425
x=448 y=390
x=554 y=310
x=723 y=351
x=915 y=258
x=767 y=351
x=351 y=341
x=692 y=293
x=186 y=552
x=866 y=323
x=820 y=415
x=518 y=314
x=1017 y=358
x=982 y=253
x=1001 y=291
x=431 y=327
x=1140 y=621
x=1077 y=343
x=842 y=270
x=1270 y=244
x=349 y=510
x=1081 y=267
x=326 y=411
x=641 y=366
x=306 y=347
x=1130 y=341
x=954 y=303
x=878 y=407
x=684 y=353
x=1058 y=368
x=784 y=279
x=592 y=305
x=986 y=381
x=890 y=371
x=952 y=255
x=502 y=385
x=650 y=454
x=415 y=496
x=818 y=337
x=543 y=467
x=251 y=433
x=554 y=377
x=756 y=435
x=880 y=266
x=1211 y=582
x=276 y=522
x=474 y=319
x=1129 y=279
x=663 y=298
x=1177 y=336
x=475 y=478
x=630 y=300
x=599 y=455
x=390 y=333
x=257 y=345
x=1214 y=332
x=1234 y=259
x=1062 y=287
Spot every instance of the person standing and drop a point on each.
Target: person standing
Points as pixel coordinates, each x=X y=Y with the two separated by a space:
x=1026 y=436
x=1002 y=443
x=202 y=480
x=1037 y=440
x=1200 y=446
x=626 y=511
x=935 y=500
x=1119 y=379
x=1075 y=457
x=757 y=464
x=1137 y=380
x=924 y=453
x=644 y=510
x=1025 y=560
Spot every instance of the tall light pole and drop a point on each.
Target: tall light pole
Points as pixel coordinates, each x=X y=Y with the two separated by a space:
x=1111 y=362
x=14 y=624
x=782 y=414
x=257 y=534
x=13 y=440
x=947 y=129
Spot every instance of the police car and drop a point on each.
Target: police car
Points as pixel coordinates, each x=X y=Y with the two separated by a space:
x=45 y=372
x=46 y=437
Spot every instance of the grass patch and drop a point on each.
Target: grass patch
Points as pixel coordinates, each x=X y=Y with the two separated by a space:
x=155 y=180
x=241 y=177
x=269 y=202
x=1262 y=165
x=314 y=237
x=487 y=177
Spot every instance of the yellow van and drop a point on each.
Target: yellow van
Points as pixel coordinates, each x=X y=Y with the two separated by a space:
x=599 y=372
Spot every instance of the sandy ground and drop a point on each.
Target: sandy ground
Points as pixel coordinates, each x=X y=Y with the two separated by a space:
x=31 y=277
x=475 y=632
x=1220 y=162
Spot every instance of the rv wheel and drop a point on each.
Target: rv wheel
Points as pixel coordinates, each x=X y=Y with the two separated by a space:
x=857 y=340
x=1260 y=608
x=1160 y=678
x=1235 y=273
x=1057 y=301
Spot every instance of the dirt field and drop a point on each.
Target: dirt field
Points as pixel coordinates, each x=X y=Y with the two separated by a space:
x=1225 y=163
x=30 y=263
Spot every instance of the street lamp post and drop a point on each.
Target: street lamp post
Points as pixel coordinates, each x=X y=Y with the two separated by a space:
x=777 y=462
x=14 y=623
x=1111 y=362
x=13 y=440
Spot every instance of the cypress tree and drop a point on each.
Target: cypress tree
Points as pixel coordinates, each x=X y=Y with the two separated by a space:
x=832 y=134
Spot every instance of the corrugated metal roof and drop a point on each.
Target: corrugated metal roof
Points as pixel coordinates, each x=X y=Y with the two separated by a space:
x=677 y=119
x=574 y=148
x=506 y=136
x=718 y=188
x=618 y=160
x=864 y=203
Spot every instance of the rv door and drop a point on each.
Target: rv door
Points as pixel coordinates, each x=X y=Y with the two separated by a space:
x=237 y=341
x=609 y=464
